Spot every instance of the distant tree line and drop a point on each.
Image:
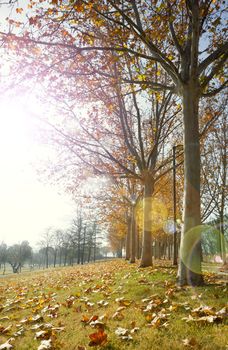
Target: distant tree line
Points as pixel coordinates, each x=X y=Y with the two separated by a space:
x=79 y=244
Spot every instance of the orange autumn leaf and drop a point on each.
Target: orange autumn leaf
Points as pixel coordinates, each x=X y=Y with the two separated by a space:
x=19 y=10
x=85 y=319
x=98 y=338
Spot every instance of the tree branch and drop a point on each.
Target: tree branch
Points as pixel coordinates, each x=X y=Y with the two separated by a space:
x=212 y=57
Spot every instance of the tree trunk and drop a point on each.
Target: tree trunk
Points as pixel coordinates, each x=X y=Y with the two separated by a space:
x=55 y=257
x=174 y=209
x=95 y=246
x=222 y=238
x=223 y=197
x=83 y=246
x=190 y=250
x=133 y=238
x=65 y=256
x=47 y=262
x=16 y=267
x=79 y=246
x=138 y=250
x=60 y=256
x=89 y=251
x=146 y=258
x=119 y=251
x=127 y=255
x=169 y=249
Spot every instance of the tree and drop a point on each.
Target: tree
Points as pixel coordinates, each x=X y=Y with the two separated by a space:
x=46 y=244
x=185 y=39
x=3 y=256
x=17 y=254
x=139 y=123
x=56 y=245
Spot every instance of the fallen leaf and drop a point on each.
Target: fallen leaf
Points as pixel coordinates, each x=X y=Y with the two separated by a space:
x=43 y=335
x=4 y=330
x=123 y=302
x=98 y=338
x=118 y=316
x=6 y=346
x=97 y=324
x=19 y=332
x=135 y=329
x=190 y=342
x=121 y=331
x=45 y=344
x=102 y=303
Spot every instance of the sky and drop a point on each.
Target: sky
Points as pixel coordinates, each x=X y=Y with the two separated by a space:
x=27 y=205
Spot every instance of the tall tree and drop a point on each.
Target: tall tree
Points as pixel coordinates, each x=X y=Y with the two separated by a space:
x=46 y=244
x=139 y=123
x=185 y=39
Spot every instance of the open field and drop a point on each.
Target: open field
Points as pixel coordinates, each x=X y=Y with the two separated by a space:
x=111 y=305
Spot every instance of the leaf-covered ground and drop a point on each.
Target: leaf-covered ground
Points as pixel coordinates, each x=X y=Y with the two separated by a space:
x=113 y=306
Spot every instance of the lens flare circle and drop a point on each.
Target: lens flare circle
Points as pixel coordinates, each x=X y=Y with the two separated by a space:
x=212 y=243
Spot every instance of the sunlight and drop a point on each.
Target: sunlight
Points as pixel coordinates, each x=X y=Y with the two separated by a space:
x=27 y=206
x=15 y=131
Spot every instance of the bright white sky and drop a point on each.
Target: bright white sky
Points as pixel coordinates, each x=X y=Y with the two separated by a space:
x=27 y=206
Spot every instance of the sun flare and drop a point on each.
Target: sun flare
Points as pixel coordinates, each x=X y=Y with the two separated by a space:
x=27 y=206
x=15 y=133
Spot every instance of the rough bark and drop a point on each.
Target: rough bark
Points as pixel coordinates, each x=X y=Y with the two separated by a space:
x=55 y=257
x=127 y=257
x=133 y=237
x=138 y=243
x=83 y=246
x=146 y=258
x=47 y=257
x=190 y=250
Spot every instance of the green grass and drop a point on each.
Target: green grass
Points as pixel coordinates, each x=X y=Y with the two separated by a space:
x=28 y=294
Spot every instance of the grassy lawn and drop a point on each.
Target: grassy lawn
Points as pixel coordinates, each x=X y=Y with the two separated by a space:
x=124 y=307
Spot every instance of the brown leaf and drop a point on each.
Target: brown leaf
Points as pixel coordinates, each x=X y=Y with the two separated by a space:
x=133 y=324
x=43 y=334
x=203 y=311
x=123 y=302
x=4 y=330
x=118 y=316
